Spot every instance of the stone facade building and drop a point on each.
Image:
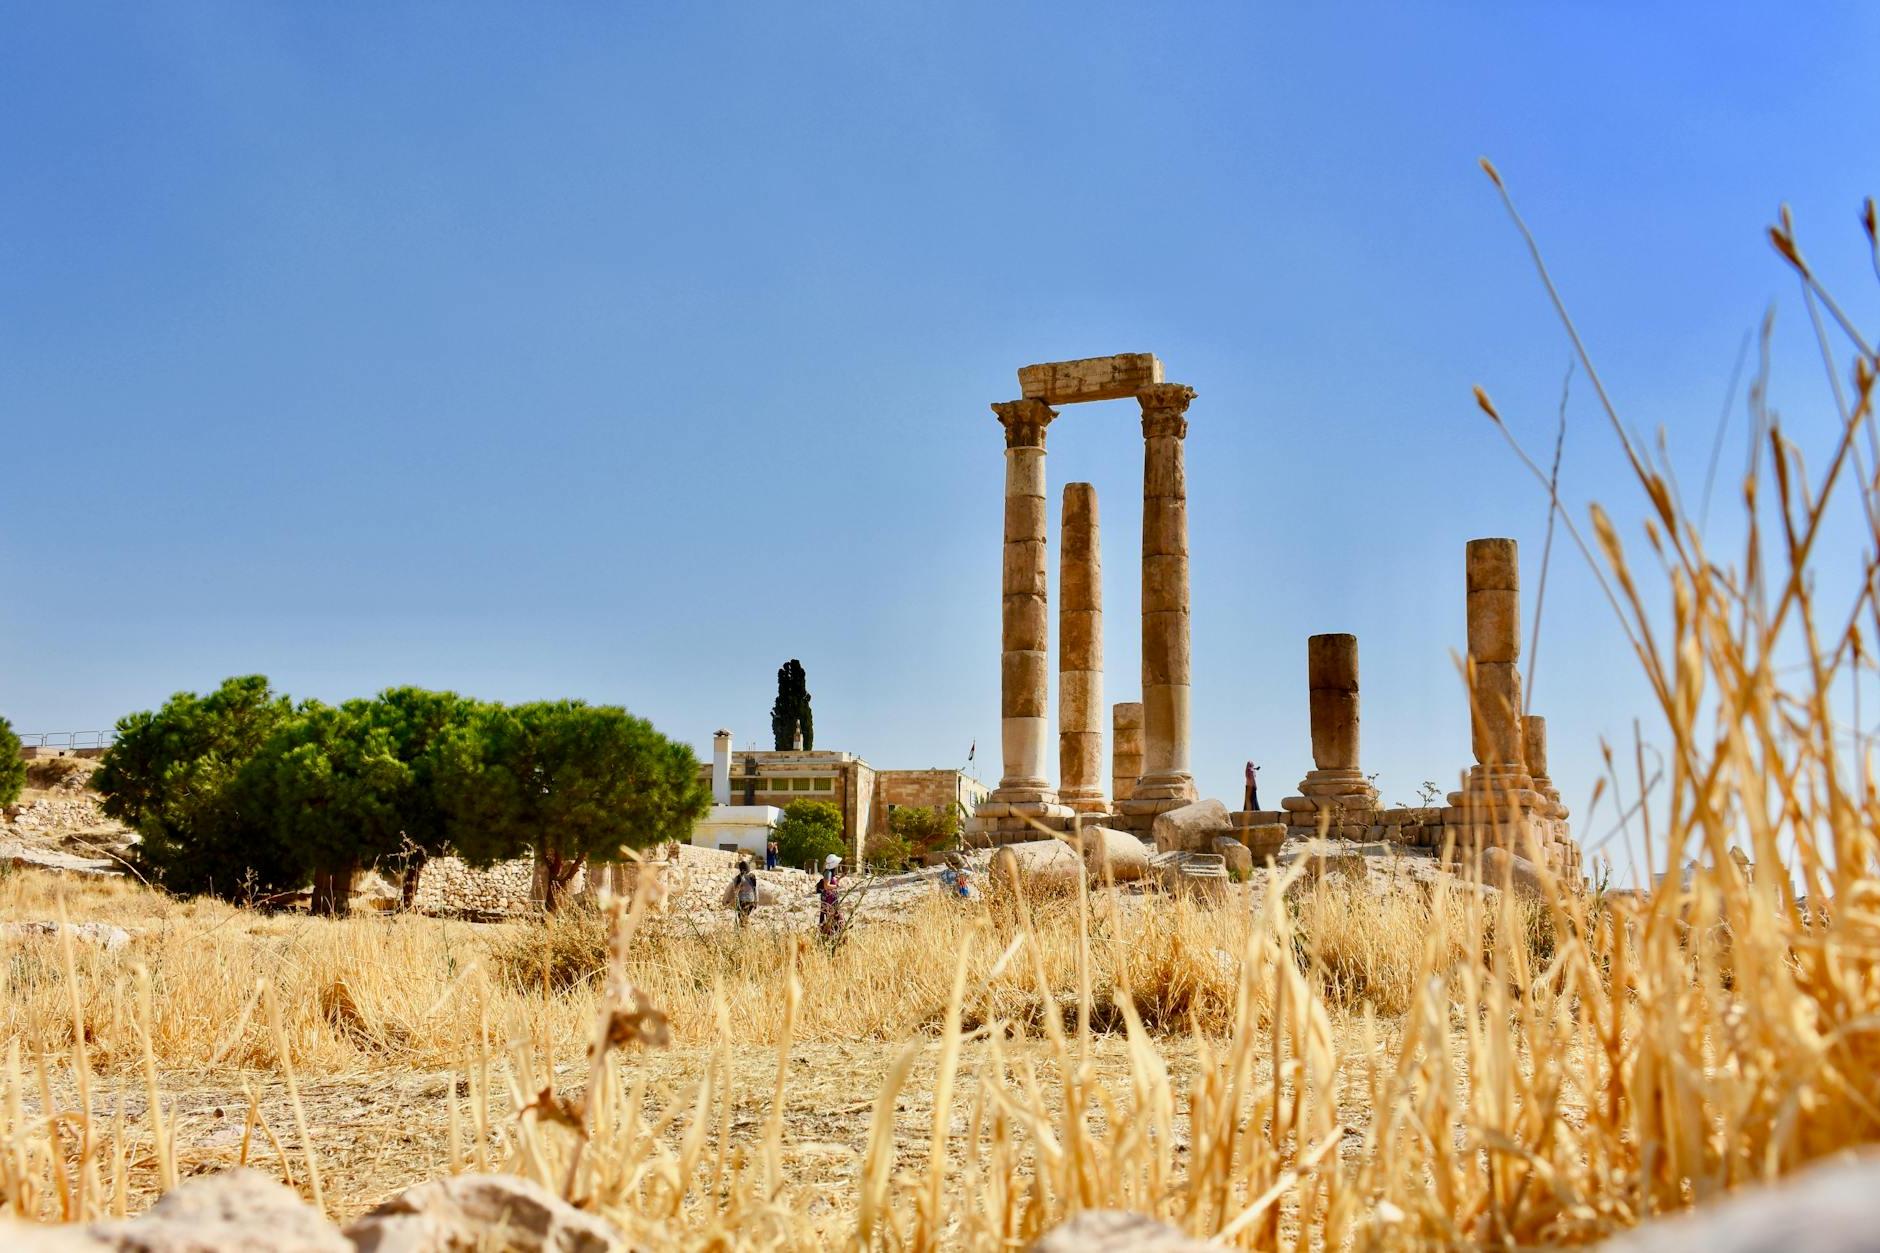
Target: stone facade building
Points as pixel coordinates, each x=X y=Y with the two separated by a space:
x=863 y=795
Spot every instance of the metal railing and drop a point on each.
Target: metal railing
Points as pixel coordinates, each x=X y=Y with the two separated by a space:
x=67 y=740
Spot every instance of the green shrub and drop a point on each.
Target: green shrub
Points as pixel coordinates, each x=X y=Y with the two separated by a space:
x=809 y=832
x=12 y=766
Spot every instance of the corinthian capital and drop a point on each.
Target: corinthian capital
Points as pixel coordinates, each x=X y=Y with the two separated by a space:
x=1165 y=409
x=1024 y=422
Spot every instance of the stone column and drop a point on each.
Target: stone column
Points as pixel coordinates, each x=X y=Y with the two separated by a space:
x=1024 y=679
x=1080 y=653
x=1497 y=789
x=1332 y=685
x=1338 y=782
x=1166 y=776
x=1494 y=581
x=1534 y=752
x=1125 y=750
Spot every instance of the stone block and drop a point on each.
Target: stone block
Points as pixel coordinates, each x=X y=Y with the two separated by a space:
x=1080 y=638
x=1026 y=623
x=1024 y=568
x=1024 y=517
x=1089 y=378
x=1122 y=853
x=1332 y=662
x=1493 y=564
x=1043 y=861
x=1024 y=684
x=1495 y=714
x=1164 y=527
x=1165 y=474
x=478 y=1211
x=1238 y=856
x=1191 y=828
x=1495 y=625
x=1165 y=649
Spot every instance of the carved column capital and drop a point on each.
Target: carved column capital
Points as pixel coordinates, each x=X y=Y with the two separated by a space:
x=1024 y=421
x=1165 y=409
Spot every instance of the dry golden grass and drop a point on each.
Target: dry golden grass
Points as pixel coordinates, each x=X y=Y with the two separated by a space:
x=1357 y=1072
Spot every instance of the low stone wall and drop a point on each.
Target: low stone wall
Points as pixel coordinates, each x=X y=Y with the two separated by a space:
x=1423 y=827
x=450 y=886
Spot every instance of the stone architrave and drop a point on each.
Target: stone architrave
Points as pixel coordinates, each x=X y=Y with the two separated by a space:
x=1125 y=749
x=1090 y=378
x=1080 y=654
x=1337 y=784
x=1166 y=782
x=1024 y=793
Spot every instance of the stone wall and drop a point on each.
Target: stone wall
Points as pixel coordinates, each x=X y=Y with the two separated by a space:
x=449 y=886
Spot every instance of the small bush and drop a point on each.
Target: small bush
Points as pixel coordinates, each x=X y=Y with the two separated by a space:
x=51 y=772
x=564 y=949
x=887 y=853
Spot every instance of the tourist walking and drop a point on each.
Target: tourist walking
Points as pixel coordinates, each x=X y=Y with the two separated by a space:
x=829 y=916
x=744 y=891
x=1253 y=786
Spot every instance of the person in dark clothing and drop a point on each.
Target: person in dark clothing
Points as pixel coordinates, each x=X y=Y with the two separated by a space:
x=744 y=890
x=770 y=855
x=1253 y=786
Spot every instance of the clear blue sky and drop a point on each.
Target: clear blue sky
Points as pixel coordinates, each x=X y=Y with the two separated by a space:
x=571 y=351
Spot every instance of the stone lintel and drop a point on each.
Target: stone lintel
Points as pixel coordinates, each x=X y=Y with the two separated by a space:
x=1090 y=378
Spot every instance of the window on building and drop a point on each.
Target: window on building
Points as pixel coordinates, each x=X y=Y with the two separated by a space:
x=799 y=785
x=824 y=785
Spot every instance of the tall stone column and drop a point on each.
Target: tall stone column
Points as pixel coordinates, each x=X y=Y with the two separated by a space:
x=1498 y=789
x=1338 y=783
x=1080 y=653
x=1166 y=781
x=1024 y=679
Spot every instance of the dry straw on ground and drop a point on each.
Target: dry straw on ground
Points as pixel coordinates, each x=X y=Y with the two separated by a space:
x=1329 y=1068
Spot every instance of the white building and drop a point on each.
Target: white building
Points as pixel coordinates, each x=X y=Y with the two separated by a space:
x=733 y=828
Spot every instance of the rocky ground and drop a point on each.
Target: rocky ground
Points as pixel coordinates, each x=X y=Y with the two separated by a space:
x=57 y=823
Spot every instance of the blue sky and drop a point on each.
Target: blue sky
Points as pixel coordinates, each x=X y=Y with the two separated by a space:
x=625 y=354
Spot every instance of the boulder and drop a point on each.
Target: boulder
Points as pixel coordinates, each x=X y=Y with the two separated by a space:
x=27 y=857
x=1499 y=867
x=469 y=1213
x=236 y=1211
x=17 y=1237
x=1124 y=854
x=103 y=934
x=1115 y=1231
x=1828 y=1209
x=1040 y=861
x=1239 y=857
x=1192 y=828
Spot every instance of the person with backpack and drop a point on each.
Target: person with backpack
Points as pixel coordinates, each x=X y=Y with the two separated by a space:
x=744 y=891
x=829 y=916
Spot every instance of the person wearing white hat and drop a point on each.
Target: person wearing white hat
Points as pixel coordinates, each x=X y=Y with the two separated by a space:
x=829 y=921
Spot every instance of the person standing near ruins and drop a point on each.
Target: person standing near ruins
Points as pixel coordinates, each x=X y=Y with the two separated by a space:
x=829 y=919
x=744 y=891
x=1253 y=787
x=770 y=855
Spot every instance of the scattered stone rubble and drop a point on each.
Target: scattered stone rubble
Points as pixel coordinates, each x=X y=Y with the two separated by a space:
x=245 y=1211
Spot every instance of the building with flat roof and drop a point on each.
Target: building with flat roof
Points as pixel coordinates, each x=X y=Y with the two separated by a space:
x=863 y=795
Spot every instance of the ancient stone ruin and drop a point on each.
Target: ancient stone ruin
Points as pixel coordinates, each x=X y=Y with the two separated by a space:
x=1506 y=799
